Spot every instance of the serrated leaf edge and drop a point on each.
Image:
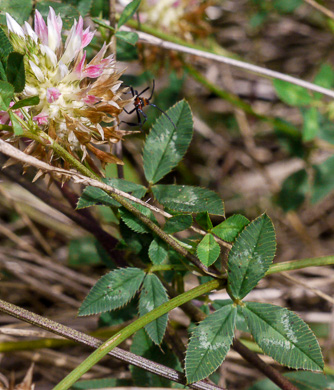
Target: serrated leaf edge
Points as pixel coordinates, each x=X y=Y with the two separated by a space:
x=155 y=122
x=119 y=307
x=235 y=241
x=191 y=337
x=145 y=328
x=194 y=212
x=311 y=331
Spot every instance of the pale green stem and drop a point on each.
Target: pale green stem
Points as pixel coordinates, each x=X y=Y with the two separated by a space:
x=167 y=267
x=124 y=334
x=274 y=268
x=299 y=264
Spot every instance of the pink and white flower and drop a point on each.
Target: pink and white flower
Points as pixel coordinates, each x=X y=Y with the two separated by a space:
x=75 y=96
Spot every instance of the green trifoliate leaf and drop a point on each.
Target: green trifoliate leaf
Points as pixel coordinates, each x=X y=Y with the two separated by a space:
x=284 y=336
x=166 y=145
x=92 y=196
x=15 y=71
x=152 y=295
x=128 y=12
x=229 y=229
x=178 y=223
x=251 y=256
x=112 y=291
x=208 y=250
x=158 y=251
x=188 y=199
x=210 y=343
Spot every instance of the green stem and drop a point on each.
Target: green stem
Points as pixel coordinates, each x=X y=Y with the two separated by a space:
x=236 y=101
x=125 y=333
x=167 y=267
x=299 y=264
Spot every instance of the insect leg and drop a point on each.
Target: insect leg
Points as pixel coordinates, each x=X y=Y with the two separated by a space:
x=130 y=112
x=163 y=112
x=152 y=92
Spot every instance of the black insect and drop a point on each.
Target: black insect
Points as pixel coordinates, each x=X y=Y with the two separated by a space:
x=141 y=102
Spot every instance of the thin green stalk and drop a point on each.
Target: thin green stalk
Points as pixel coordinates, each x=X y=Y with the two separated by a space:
x=299 y=264
x=237 y=102
x=167 y=267
x=140 y=323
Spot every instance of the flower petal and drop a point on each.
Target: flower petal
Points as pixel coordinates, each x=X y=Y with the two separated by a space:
x=50 y=55
x=52 y=94
x=79 y=68
x=37 y=71
x=40 y=28
x=42 y=118
x=93 y=71
x=14 y=27
x=73 y=42
x=54 y=30
x=87 y=36
x=29 y=31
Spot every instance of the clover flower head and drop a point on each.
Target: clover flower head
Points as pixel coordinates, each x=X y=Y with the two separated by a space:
x=78 y=99
x=182 y=17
